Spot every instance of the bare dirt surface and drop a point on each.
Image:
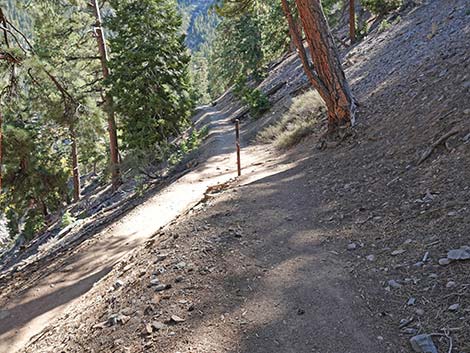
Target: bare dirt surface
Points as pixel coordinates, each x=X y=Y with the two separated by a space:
x=247 y=274
x=311 y=250
x=35 y=299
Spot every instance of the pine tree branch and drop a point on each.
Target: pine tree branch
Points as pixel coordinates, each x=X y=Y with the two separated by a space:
x=74 y=58
x=21 y=34
x=14 y=37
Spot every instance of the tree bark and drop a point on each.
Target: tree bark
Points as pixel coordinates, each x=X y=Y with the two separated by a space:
x=44 y=210
x=352 y=21
x=1 y=151
x=7 y=44
x=326 y=75
x=295 y=25
x=113 y=140
x=5 y=26
x=75 y=166
x=296 y=37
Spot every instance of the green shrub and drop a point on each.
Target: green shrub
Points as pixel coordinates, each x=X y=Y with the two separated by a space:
x=362 y=29
x=33 y=225
x=187 y=145
x=67 y=219
x=384 y=25
x=257 y=101
x=141 y=186
x=381 y=7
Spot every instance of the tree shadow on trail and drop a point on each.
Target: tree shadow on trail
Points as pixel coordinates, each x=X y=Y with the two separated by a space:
x=23 y=313
x=278 y=285
x=57 y=286
x=285 y=292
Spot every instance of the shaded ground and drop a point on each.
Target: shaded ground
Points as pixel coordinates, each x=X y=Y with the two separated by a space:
x=249 y=274
x=264 y=266
x=36 y=296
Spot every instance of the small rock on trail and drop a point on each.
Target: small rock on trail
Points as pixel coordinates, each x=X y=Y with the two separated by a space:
x=352 y=246
x=370 y=258
x=459 y=254
x=423 y=344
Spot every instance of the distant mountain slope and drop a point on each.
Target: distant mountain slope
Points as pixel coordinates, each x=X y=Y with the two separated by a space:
x=199 y=22
x=13 y=11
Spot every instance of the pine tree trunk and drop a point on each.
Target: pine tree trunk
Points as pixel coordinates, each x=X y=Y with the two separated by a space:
x=294 y=26
x=292 y=45
x=7 y=44
x=1 y=152
x=75 y=167
x=296 y=37
x=113 y=141
x=352 y=21
x=329 y=76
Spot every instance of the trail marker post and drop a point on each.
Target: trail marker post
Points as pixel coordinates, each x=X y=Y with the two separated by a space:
x=237 y=141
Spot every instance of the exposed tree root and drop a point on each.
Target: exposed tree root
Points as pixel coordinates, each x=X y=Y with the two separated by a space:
x=431 y=148
x=333 y=138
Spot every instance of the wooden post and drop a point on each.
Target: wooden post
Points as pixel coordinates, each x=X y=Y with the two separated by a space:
x=237 y=136
x=352 y=21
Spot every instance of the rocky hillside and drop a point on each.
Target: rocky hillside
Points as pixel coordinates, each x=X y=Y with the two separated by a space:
x=365 y=243
x=199 y=23
x=17 y=15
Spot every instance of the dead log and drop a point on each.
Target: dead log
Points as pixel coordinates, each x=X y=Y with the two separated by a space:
x=275 y=88
x=431 y=148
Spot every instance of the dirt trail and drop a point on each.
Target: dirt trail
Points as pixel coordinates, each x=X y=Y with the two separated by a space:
x=266 y=266
x=273 y=287
x=259 y=276
x=28 y=313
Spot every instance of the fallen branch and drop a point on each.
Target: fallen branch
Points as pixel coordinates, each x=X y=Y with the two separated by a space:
x=406 y=323
x=446 y=335
x=25 y=38
x=442 y=139
x=10 y=58
x=240 y=114
x=275 y=88
x=14 y=37
x=342 y=41
x=278 y=62
x=149 y=175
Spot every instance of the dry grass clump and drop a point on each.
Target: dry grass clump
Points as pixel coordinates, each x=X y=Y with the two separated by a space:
x=298 y=122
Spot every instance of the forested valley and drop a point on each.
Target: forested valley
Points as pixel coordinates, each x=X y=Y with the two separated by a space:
x=76 y=115
x=234 y=175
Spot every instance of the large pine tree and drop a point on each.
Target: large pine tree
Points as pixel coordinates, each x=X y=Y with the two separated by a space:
x=50 y=110
x=323 y=68
x=149 y=72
